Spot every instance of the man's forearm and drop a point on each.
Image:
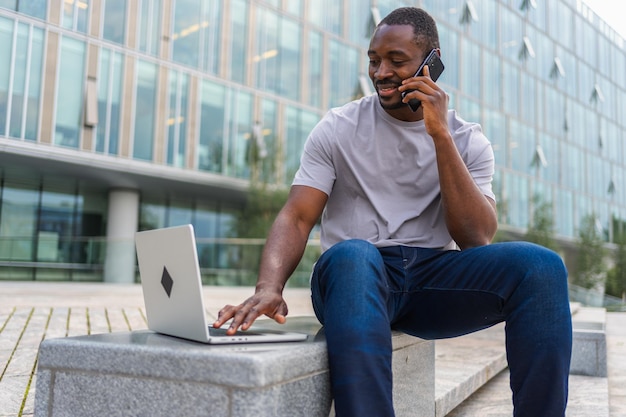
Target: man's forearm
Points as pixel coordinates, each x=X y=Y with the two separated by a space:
x=470 y=216
x=283 y=250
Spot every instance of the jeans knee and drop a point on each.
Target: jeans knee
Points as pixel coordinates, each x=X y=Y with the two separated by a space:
x=352 y=249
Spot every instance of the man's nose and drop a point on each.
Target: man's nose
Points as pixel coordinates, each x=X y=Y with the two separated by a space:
x=383 y=71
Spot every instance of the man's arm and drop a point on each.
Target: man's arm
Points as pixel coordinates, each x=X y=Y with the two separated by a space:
x=283 y=250
x=470 y=215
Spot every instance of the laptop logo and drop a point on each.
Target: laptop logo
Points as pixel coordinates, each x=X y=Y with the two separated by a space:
x=167 y=282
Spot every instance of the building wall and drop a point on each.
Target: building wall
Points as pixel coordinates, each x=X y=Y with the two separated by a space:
x=178 y=100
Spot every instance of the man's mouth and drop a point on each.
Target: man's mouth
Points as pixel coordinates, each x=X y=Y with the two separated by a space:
x=386 y=89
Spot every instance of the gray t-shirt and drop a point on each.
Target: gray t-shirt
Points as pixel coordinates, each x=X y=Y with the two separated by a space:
x=381 y=178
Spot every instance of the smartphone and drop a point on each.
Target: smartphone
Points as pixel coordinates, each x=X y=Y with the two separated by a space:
x=435 y=66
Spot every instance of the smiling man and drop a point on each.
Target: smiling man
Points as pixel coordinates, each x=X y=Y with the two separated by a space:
x=407 y=216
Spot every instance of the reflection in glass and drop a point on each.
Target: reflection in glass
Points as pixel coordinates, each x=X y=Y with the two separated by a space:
x=109 y=97
x=211 y=136
x=69 y=99
x=114 y=22
x=144 y=110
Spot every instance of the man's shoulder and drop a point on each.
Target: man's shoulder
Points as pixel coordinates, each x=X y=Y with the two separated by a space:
x=355 y=107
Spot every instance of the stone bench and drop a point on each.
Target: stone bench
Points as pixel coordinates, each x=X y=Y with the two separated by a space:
x=147 y=374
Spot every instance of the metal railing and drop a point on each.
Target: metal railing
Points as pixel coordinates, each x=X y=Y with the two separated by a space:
x=593 y=298
x=223 y=261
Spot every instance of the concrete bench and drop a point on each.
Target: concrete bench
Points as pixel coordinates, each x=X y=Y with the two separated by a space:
x=142 y=373
x=589 y=342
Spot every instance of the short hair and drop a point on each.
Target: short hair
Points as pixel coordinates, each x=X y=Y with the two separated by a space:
x=424 y=26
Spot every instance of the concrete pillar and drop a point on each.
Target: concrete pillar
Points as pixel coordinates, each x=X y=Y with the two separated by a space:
x=119 y=264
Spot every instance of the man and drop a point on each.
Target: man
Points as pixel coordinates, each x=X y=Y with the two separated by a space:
x=399 y=191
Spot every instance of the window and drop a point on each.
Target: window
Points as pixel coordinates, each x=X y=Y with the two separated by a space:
x=20 y=96
x=149 y=27
x=34 y=8
x=314 y=69
x=277 y=55
x=177 y=119
x=69 y=101
x=145 y=101
x=298 y=125
x=212 y=127
x=344 y=60
x=17 y=224
x=75 y=15
x=240 y=123
x=109 y=101
x=238 y=35
x=114 y=21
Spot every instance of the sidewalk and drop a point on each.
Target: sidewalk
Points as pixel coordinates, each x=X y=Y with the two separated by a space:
x=32 y=311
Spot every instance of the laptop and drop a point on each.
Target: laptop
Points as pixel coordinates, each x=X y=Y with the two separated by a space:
x=172 y=290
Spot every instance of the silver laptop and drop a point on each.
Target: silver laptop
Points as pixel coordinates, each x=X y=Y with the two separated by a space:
x=172 y=290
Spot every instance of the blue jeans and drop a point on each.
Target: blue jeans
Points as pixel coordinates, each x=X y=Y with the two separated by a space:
x=361 y=292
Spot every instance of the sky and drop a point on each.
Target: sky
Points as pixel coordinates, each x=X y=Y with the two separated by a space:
x=612 y=12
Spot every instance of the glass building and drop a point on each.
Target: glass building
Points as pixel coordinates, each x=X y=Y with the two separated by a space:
x=121 y=115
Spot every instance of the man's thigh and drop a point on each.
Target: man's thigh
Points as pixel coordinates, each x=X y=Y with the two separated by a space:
x=453 y=293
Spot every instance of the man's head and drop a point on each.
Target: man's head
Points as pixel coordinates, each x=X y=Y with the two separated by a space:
x=424 y=26
x=400 y=43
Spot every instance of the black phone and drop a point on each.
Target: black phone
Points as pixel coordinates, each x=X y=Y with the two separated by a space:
x=435 y=66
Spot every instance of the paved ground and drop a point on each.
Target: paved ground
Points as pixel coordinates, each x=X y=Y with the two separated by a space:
x=30 y=312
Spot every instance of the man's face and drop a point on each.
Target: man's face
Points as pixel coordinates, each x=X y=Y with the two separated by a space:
x=393 y=56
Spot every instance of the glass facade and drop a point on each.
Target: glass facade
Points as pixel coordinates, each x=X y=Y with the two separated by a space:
x=129 y=94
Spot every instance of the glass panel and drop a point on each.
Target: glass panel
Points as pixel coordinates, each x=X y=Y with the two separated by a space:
x=522 y=147
x=17 y=224
x=152 y=214
x=529 y=97
x=69 y=100
x=31 y=126
x=177 y=119
x=294 y=7
x=550 y=147
x=149 y=28
x=267 y=55
x=289 y=85
x=6 y=42
x=241 y=125
x=186 y=36
x=298 y=124
x=144 y=110
x=56 y=228
x=35 y=8
x=494 y=128
x=212 y=119
x=109 y=96
x=471 y=60
x=238 y=35
x=19 y=80
x=314 y=69
x=267 y=150
x=517 y=202
x=179 y=213
x=492 y=90
x=114 y=26
x=211 y=36
x=360 y=16
x=327 y=14
x=343 y=60
x=510 y=90
x=449 y=41
x=75 y=15
x=510 y=34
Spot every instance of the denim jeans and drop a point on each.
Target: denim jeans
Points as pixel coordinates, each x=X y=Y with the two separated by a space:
x=360 y=293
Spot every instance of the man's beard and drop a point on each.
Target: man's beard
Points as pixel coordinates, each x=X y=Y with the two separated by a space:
x=392 y=106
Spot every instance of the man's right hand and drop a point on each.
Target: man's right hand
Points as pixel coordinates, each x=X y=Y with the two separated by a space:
x=270 y=303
